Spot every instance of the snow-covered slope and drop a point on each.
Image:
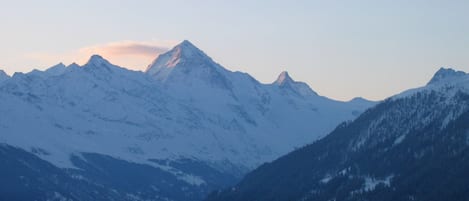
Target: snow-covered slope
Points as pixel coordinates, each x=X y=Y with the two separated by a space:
x=185 y=106
x=445 y=80
x=412 y=146
x=192 y=77
x=3 y=76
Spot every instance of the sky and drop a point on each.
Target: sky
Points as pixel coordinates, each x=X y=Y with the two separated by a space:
x=342 y=49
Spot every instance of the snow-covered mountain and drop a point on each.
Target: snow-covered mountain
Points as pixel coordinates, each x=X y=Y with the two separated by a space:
x=288 y=85
x=51 y=71
x=187 y=118
x=3 y=76
x=190 y=76
x=412 y=146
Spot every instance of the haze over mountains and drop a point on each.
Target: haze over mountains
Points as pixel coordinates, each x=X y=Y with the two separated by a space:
x=181 y=129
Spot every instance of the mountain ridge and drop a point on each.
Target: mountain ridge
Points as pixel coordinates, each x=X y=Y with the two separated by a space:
x=3 y=76
x=444 y=74
x=411 y=147
x=190 y=126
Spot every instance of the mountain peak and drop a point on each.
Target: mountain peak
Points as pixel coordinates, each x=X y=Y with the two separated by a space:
x=283 y=78
x=56 y=69
x=186 y=44
x=186 y=50
x=284 y=81
x=98 y=63
x=185 y=55
x=97 y=60
x=446 y=74
x=56 y=66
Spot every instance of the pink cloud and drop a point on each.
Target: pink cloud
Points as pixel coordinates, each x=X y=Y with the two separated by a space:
x=134 y=55
x=127 y=48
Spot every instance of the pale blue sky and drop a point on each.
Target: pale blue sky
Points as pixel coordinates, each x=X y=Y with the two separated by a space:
x=342 y=49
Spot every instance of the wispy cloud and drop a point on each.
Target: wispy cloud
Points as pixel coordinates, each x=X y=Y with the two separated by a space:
x=135 y=55
x=127 y=48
